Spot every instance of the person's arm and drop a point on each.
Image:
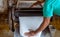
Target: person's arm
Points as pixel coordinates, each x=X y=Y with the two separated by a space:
x=44 y=24
x=37 y=3
x=34 y=4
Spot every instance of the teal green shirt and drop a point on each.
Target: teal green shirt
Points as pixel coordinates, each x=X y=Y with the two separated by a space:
x=51 y=7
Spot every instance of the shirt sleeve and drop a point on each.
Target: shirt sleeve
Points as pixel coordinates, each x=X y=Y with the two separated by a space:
x=47 y=10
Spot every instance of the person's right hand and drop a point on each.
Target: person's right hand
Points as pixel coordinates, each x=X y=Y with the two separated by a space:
x=32 y=6
x=37 y=3
x=32 y=33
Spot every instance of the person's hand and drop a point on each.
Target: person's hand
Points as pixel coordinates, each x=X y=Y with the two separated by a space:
x=37 y=3
x=32 y=6
x=31 y=33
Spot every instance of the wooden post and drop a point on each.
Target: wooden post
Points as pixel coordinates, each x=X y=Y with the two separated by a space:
x=11 y=13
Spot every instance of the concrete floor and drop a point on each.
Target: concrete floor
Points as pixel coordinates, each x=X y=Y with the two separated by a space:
x=6 y=34
x=4 y=30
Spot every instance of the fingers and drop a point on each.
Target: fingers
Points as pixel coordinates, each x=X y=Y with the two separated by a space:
x=29 y=33
x=26 y=33
x=32 y=6
x=29 y=36
x=30 y=30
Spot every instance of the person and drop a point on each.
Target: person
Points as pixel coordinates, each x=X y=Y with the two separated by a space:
x=50 y=8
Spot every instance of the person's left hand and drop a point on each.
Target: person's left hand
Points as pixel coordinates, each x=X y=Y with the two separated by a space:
x=31 y=33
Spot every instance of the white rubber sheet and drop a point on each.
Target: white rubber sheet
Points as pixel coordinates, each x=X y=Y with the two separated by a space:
x=27 y=23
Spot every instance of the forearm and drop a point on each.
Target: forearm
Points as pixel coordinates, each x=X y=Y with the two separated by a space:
x=44 y=24
x=34 y=4
x=38 y=3
x=41 y=1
